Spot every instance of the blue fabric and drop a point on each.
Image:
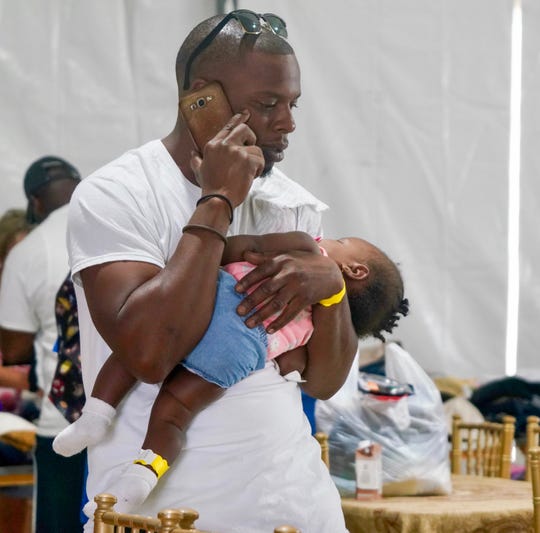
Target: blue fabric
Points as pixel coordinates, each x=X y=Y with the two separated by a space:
x=308 y=404
x=229 y=350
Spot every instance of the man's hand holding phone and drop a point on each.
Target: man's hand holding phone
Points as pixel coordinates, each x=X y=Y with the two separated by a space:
x=230 y=161
x=227 y=160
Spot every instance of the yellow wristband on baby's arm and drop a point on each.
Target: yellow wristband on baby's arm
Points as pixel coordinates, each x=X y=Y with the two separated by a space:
x=157 y=463
x=335 y=299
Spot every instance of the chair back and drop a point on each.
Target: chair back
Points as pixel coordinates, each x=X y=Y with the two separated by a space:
x=533 y=441
x=533 y=456
x=322 y=439
x=483 y=449
x=106 y=520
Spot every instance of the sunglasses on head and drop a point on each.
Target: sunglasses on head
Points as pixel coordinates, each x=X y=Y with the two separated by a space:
x=251 y=22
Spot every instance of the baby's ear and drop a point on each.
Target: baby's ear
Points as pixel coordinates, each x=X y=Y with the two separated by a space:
x=356 y=271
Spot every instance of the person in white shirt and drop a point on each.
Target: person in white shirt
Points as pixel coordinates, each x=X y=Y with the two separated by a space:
x=32 y=274
x=146 y=234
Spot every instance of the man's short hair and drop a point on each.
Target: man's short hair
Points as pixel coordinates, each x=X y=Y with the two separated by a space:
x=227 y=47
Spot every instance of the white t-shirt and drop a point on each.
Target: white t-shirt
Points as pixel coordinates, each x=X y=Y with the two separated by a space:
x=34 y=270
x=249 y=462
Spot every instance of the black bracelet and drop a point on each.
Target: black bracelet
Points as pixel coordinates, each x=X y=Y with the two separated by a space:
x=205 y=228
x=203 y=199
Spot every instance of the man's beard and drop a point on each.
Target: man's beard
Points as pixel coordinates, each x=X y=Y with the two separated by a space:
x=268 y=165
x=267 y=170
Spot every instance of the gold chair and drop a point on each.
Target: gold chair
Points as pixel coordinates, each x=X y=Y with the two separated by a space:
x=322 y=439
x=16 y=476
x=533 y=459
x=106 y=520
x=22 y=440
x=533 y=440
x=482 y=449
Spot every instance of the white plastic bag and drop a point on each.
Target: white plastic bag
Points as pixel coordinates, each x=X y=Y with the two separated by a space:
x=411 y=431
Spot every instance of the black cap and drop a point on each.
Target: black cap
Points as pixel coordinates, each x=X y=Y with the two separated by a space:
x=47 y=169
x=43 y=171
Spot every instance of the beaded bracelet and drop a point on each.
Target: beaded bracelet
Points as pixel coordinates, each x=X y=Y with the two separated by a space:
x=205 y=228
x=335 y=299
x=203 y=199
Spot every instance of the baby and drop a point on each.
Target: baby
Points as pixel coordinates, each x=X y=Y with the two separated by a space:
x=229 y=352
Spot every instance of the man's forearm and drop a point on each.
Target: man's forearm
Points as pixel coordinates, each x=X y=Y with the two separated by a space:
x=237 y=245
x=331 y=350
x=150 y=317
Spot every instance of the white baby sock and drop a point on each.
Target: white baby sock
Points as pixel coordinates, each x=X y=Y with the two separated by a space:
x=90 y=428
x=131 y=489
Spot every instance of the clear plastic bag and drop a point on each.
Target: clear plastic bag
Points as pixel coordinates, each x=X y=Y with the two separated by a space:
x=411 y=430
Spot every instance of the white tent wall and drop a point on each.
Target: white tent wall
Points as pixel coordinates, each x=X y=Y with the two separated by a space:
x=529 y=310
x=402 y=129
x=86 y=80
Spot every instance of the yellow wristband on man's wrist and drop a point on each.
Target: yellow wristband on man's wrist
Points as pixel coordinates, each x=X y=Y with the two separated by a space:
x=335 y=299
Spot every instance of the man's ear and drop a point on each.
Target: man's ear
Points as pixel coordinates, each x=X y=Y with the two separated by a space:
x=198 y=83
x=357 y=271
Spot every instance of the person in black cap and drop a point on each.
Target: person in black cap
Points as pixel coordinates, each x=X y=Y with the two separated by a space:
x=47 y=184
x=34 y=270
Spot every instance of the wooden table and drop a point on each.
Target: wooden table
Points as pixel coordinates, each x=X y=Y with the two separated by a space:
x=477 y=504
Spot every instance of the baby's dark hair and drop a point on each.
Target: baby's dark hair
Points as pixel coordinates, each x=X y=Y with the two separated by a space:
x=377 y=307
